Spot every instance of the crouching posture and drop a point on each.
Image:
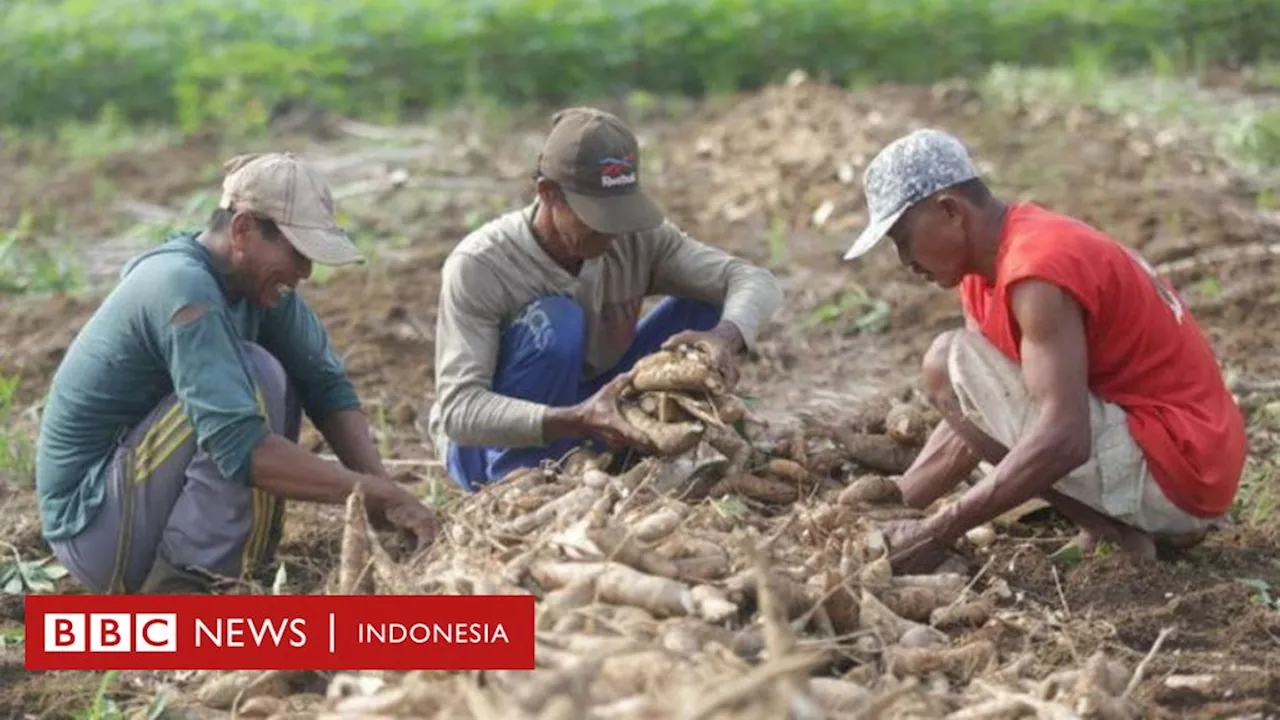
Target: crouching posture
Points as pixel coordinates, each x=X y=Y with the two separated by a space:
x=1081 y=376
x=538 y=308
x=167 y=446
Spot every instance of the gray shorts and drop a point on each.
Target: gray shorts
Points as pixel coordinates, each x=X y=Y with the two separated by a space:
x=167 y=499
x=1115 y=481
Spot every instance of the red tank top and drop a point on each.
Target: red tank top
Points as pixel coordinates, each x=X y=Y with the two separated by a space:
x=1146 y=352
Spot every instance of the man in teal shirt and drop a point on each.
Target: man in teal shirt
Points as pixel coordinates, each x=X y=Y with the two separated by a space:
x=168 y=444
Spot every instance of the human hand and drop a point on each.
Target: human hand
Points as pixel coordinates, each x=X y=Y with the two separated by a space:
x=411 y=515
x=720 y=345
x=602 y=419
x=912 y=547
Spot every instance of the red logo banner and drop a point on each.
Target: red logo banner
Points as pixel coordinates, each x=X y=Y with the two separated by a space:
x=279 y=632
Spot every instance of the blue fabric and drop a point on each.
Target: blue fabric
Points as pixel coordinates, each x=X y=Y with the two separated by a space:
x=540 y=359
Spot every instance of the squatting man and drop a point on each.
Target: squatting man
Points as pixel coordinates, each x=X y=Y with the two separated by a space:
x=539 y=310
x=1080 y=375
x=167 y=448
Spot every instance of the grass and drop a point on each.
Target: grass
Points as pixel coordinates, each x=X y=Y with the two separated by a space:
x=104 y=706
x=203 y=62
x=28 y=265
x=1244 y=129
x=17 y=456
x=1259 y=495
x=854 y=310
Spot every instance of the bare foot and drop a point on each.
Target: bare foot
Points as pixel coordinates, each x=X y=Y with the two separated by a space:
x=1138 y=545
x=1085 y=540
x=1182 y=541
x=1130 y=540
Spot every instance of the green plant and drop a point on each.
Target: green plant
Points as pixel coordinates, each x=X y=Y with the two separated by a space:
x=238 y=61
x=1258 y=498
x=1265 y=591
x=1256 y=138
x=22 y=577
x=16 y=456
x=12 y=637
x=27 y=267
x=870 y=314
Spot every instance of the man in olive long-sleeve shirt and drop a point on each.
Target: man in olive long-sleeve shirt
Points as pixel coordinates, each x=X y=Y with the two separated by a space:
x=168 y=442
x=539 y=309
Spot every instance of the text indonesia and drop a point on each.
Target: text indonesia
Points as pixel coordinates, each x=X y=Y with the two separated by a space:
x=280 y=632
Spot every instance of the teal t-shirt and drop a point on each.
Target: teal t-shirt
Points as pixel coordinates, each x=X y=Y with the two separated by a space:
x=130 y=355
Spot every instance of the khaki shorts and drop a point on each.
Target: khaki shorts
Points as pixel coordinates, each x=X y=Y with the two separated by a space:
x=1115 y=481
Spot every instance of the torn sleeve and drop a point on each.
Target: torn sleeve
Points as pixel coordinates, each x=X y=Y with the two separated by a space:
x=213 y=383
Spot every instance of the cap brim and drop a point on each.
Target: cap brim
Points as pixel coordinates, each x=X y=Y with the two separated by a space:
x=325 y=246
x=616 y=214
x=872 y=234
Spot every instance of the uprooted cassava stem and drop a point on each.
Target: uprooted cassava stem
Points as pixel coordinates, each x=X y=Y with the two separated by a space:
x=620 y=585
x=355 y=570
x=572 y=504
x=967 y=614
x=890 y=627
x=761 y=489
x=959 y=663
x=916 y=602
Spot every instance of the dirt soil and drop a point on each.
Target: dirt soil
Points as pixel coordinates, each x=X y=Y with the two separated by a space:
x=774 y=177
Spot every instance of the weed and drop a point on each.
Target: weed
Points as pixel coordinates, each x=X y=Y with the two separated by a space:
x=30 y=267
x=24 y=577
x=870 y=314
x=17 y=457
x=1266 y=593
x=12 y=637
x=1245 y=130
x=1256 y=139
x=1259 y=495
x=730 y=506
x=777 y=239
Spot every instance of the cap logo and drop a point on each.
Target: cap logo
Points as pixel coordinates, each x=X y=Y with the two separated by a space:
x=616 y=171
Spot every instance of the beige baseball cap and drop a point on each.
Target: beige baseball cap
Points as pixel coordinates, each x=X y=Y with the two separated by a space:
x=595 y=159
x=281 y=187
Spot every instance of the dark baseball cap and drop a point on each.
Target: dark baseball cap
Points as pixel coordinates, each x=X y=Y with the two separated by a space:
x=906 y=171
x=595 y=159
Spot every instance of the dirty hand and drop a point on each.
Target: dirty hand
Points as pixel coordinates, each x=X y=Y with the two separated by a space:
x=912 y=549
x=602 y=419
x=411 y=515
x=721 y=346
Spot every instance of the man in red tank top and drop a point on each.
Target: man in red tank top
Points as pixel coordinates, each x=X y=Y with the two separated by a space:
x=1080 y=375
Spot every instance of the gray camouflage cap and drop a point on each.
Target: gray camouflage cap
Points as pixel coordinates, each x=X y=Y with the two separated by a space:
x=906 y=171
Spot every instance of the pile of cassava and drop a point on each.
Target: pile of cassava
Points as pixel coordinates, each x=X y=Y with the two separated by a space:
x=741 y=573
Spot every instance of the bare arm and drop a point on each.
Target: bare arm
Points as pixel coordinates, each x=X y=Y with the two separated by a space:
x=217 y=392
x=347 y=432
x=285 y=469
x=1055 y=370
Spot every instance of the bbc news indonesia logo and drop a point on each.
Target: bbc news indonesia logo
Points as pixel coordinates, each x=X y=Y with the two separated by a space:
x=110 y=632
x=280 y=632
